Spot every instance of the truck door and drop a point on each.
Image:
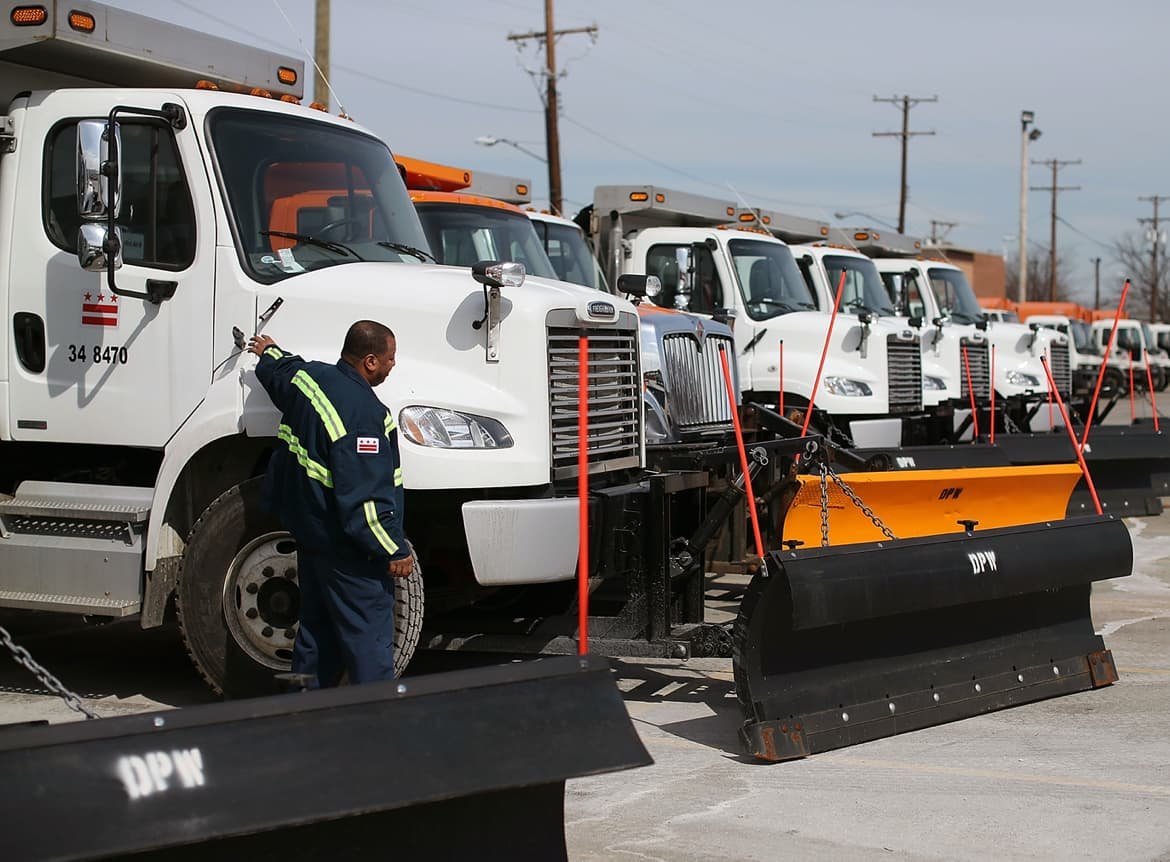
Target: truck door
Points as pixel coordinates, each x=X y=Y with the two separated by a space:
x=119 y=370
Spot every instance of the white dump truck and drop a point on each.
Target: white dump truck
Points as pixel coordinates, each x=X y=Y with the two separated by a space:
x=714 y=260
x=159 y=188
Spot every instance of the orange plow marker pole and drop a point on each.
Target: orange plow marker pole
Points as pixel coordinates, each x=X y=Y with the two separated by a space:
x=743 y=461
x=812 y=396
x=971 y=392
x=583 y=495
x=992 y=380
x=1104 y=362
x=1153 y=400
x=1072 y=438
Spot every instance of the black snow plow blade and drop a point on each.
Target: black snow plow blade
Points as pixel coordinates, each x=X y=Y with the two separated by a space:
x=1130 y=466
x=837 y=646
x=463 y=765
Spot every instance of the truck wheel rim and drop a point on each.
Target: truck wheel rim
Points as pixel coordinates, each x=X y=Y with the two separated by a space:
x=261 y=599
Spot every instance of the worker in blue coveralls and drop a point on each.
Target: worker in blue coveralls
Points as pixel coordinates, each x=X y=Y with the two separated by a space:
x=335 y=482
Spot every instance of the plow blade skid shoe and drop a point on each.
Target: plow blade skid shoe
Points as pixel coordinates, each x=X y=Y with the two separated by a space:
x=931 y=502
x=1130 y=466
x=463 y=765
x=836 y=646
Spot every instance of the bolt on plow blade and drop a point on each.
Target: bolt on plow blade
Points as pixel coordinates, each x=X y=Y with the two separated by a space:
x=462 y=765
x=836 y=646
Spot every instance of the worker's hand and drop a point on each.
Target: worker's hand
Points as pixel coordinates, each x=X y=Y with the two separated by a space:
x=401 y=568
x=259 y=343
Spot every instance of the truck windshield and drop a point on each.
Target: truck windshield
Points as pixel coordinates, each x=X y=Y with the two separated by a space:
x=464 y=234
x=1148 y=336
x=954 y=295
x=863 y=289
x=569 y=254
x=1127 y=338
x=1082 y=336
x=1164 y=339
x=769 y=279
x=304 y=194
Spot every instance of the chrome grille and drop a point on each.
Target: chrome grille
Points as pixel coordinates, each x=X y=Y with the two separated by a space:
x=904 y=374
x=1060 y=367
x=695 y=391
x=979 y=360
x=615 y=422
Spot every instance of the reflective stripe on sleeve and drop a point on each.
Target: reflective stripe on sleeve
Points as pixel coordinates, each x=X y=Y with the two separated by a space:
x=390 y=425
x=397 y=476
x=377 y=529
x=314 y=469
x=274 y=352
x=334 y=427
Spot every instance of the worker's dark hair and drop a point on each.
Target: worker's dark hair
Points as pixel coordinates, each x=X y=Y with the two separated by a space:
x=363 y=338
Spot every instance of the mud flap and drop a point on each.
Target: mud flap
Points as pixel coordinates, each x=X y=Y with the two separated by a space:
x=838 y=646
x=470 y=764
x=931 y=502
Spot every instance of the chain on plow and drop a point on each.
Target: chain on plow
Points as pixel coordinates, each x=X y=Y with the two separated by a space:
x=23 y=657
x=827 y=473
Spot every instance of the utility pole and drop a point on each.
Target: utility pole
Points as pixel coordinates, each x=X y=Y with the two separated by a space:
x=907 y=102
x=321 y=54
x=1155 y=238
x=1096 y=261
x=551 y=134
x=1027 y=135
x=1056 y=165
x=935 y=237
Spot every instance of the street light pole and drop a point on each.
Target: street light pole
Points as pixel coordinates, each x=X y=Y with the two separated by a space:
x=1026 y=119
x=1096 y=261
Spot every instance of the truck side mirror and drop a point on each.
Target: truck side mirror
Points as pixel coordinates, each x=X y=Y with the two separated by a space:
x=95 y=197
x=915 y=321
x=981 y=324
x=95 y=247
x=99 y=195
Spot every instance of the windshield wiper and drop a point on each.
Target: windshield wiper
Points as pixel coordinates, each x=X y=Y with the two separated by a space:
x=327 y=244
x=779 y=303
x=402 y=248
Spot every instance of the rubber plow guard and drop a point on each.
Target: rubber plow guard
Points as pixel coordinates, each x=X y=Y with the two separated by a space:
x=463 y=765
x=836 y=646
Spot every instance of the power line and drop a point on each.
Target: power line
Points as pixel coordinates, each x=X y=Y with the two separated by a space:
x=1055 y=188
x=235 y=28
x=907 y=103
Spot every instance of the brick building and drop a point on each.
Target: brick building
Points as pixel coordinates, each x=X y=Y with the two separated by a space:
x=985 y=270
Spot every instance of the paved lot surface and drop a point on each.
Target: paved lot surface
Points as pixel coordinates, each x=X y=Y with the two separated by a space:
x=1086 y=776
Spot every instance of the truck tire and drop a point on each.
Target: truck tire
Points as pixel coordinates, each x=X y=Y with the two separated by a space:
x=1114 y=381
x=237 y=597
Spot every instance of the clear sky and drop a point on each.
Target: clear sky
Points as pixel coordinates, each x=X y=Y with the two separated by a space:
x=769 y=101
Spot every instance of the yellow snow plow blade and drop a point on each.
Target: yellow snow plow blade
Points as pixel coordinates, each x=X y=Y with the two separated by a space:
x=931 y=502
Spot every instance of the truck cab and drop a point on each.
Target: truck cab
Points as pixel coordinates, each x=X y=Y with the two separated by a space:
x=151 y=218
x=1085 y=353
x=716 y=262
x=684 y=395
x=939 y=293
x=1132 y=343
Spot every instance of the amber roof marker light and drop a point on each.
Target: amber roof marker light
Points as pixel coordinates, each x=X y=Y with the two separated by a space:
x=29 y=16
x=82 y=22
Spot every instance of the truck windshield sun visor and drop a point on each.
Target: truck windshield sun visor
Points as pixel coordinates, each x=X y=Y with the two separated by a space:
x=306 y=194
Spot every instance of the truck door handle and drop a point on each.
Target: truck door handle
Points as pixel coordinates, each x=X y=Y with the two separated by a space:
x=28 y=330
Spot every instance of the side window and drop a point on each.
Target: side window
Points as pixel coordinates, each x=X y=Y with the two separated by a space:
x=669 y=263
x=689 y=278
x=157 y=217
x=903 y=292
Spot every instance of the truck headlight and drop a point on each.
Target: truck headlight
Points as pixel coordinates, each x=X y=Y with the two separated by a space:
x=1019 y=378
x=449 y=429
x=847 y=386
x=933 y=382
